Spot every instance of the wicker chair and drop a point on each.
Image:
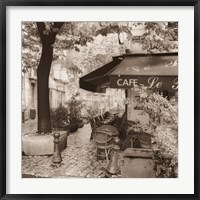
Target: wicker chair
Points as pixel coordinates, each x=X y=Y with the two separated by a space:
x=103 y=143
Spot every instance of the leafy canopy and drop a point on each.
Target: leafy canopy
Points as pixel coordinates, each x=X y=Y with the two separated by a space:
x=73 y=35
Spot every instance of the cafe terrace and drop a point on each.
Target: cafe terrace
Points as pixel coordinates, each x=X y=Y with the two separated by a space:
x=158 y=72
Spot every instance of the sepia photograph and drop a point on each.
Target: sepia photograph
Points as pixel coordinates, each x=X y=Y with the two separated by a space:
x=99 y=99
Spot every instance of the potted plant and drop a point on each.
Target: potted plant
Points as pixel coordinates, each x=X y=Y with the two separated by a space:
x=74 y=106
x=80 y=123
x=73 y=126
x=59 y=119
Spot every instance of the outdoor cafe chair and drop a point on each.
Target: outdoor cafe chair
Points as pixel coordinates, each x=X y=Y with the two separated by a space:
x=103 y=143
x=101 y=117
x=97 y=121
x=104 y=116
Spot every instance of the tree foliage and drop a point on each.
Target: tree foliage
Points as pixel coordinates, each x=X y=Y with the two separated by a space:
x=31 y=46
x=159 y=37
x=72 y=35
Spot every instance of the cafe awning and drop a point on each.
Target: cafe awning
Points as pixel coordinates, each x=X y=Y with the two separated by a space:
x=97 y=80
x=157 y=71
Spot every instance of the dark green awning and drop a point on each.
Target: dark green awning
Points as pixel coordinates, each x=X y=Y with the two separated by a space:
x=157 y=71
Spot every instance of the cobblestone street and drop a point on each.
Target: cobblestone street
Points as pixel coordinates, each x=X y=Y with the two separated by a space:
x=78 y=160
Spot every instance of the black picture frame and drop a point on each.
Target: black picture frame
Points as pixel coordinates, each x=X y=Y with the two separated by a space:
x=5 y=3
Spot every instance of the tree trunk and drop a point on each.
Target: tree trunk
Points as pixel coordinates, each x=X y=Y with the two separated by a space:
x=43 y=70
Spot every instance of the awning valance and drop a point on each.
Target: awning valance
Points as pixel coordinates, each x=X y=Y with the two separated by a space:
x=157 y=71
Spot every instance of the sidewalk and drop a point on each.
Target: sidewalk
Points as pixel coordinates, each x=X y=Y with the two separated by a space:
x=78 y=160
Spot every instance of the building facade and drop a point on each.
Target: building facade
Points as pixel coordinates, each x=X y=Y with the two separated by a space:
x=58 y=80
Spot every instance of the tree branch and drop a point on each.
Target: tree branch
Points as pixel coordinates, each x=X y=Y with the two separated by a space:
x=58 y=25
x=41 y=28
x=50 y=38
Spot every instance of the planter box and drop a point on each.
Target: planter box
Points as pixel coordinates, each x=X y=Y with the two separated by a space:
x=73 y=128
x=80 y=125
x=138 y=168
x=64 y=128
x=138 y=163
x=138 y=153
x=42 y=144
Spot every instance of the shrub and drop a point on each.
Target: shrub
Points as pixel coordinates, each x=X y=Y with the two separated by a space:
x=74 y=106
x=59 y=117
x=163 y=123
x=165 y=145
x=137 y=126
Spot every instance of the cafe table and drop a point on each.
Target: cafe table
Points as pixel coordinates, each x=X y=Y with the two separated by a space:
x=109 y=129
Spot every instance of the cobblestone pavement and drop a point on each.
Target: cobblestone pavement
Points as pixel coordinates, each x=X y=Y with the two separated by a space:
x=78 y=160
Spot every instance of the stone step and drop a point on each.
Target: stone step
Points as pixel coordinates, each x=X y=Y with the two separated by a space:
x=138 y=153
